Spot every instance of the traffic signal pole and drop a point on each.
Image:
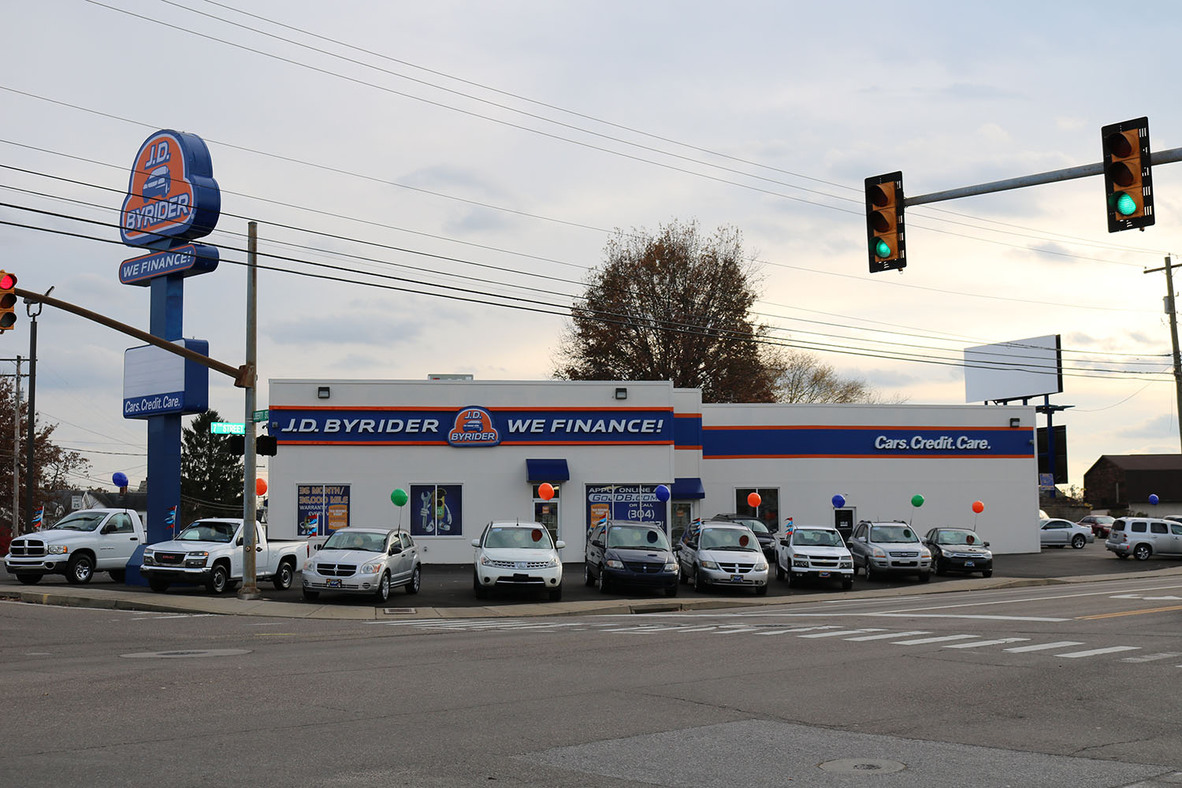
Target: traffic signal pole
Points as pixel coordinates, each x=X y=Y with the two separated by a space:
x=1173 y=313
x=250 y=587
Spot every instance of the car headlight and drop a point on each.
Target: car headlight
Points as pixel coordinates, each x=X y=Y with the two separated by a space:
x=551 y=562
x=761 y=566
x=878 y=552
x=57 y=549
x=308 y=564
x=196 y=559
x=671 y=566
x=149 y=558
x=800 y=560
x=946 y=553
x=372 y=568
x=708 y=564
x=612 y=563
x=925 y=553
x=485 y=560
x=845 y=564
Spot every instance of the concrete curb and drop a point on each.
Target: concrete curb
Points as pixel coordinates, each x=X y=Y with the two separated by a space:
x=109 y=599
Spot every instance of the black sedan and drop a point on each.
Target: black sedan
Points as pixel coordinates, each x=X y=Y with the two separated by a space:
x=630 y=554
x=959 y=550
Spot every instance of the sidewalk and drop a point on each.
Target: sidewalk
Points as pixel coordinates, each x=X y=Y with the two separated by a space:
x=121 y=597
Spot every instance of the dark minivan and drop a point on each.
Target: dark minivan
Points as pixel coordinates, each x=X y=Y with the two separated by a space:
x=630 y=554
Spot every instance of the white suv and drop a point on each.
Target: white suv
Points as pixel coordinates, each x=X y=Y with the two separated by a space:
x=814 y=551
x=516 y=555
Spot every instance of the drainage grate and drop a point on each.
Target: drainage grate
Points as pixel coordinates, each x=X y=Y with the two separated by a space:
x=861 y=766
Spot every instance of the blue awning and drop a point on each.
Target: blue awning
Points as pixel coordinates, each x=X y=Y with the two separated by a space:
x=687 y=487
x=547 y=470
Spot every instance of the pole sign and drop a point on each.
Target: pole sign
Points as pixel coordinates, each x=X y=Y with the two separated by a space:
x=172 y=196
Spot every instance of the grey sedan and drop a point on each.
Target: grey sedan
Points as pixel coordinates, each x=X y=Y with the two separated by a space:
x=1060 y=533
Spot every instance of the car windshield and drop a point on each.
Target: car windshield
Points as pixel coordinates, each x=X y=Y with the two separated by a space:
x=639 y=537
x=957 y=537
x=816 y=537
x=518 y=538
x=203 y=531
x=728 y=539
x=344 y=540
x=79 y=522
x=892 y=533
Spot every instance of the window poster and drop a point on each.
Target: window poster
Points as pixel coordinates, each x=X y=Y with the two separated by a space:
x=436 y=509
x=631 y=502
x=321 y=508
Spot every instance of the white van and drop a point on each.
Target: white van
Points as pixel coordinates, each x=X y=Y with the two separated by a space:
x=1142 y=537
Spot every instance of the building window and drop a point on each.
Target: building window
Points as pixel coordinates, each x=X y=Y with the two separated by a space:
x=768 y=511
x=436 y=509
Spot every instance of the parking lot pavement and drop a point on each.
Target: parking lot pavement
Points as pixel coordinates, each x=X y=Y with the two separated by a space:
x=447 y=591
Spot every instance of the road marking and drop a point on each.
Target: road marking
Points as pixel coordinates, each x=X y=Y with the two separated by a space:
x=840 y=632
x=1129 y=613
x=1044 y=646
x=997 y=642
x=1152 y=657
x=1149 y=598
x=889 y=635
x=793 y=630
x=925 y=641
x=1097 y=651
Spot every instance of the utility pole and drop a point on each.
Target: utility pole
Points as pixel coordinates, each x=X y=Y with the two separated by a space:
x=1173 y=313
x=31 y=430
x=250 y=587
x=16 y=452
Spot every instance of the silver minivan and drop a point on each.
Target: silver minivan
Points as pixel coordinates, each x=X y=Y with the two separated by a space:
x=1142 y=537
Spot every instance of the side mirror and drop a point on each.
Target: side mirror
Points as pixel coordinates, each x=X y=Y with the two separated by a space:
x=476 y=543
x=596 y=543
x=239 y=542
x=986 y=544
x=559 y=544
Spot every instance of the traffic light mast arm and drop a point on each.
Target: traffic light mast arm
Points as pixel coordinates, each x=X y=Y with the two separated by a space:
x=243 y=376
x=1071 y=173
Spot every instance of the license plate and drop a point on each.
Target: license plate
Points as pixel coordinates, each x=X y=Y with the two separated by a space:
x=969 y=563
x=332 y=583
x=736 y=578
x=822 y=574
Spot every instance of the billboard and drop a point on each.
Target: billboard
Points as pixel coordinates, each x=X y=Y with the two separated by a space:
x=1019 y=369
x=156 y=382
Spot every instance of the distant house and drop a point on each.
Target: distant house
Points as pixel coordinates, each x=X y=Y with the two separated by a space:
x=1125 y=481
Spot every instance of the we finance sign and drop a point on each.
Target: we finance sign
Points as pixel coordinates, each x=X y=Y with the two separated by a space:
x=472 y=426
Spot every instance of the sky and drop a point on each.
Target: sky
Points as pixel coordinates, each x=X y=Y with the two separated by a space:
x=433 y=183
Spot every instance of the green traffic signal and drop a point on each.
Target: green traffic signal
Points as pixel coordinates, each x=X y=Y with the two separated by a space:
x=882 y=249
x=1126 y=205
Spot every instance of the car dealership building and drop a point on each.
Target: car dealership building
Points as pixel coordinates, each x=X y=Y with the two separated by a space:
x=466 y=452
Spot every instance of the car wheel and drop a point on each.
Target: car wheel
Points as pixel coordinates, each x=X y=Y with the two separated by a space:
x=987 y=573
x=158 y=584
x=29 y=579
x=699 y=583
x=672 y=590
x=478 y=588
x=80 y=569
x=588 y=579
x=416 y=580
x=219 y=578
x=283 y=576
x=779 y=571
x=1142 y=552
x=761 y=590
x=382 y=593
x=310 y=595
x=793 y=579
x=925 y=577
x=1078 y=541
x=118 y=575
x=847 y=583
x=556 y=594
x=870 y=576
x=602 y=582
x=938 y=566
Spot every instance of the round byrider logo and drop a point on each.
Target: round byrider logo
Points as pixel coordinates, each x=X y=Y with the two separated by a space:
x=473 y=427
x=172 y=195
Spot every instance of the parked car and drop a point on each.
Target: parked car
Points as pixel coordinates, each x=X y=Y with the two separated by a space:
x=879 y=548
x=1099 y=523
x=1142 y=537
x=516 y=555
x=959 y=550
x=814 y=551
x=370 y=561
x=722 y=553
x=630 y=554
x=765 y=535
x=1054 y=532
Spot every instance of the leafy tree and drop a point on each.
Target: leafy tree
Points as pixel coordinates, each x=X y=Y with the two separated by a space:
x=211 y=472
x=55 y=468
x=671 y=305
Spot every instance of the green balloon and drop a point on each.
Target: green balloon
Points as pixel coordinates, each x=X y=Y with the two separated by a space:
x=917 y=500
x=399 y=497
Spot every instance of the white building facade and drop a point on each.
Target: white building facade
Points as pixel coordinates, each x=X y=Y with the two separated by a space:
x=466 y=452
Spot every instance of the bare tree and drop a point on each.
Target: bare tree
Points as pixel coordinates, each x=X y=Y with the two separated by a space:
x=803 y=378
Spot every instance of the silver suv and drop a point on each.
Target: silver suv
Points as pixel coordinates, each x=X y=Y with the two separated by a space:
x=1142 y=537
x=894 y=547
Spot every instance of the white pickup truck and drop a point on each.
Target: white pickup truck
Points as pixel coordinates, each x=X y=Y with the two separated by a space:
x=77 y=546
x=209 y=552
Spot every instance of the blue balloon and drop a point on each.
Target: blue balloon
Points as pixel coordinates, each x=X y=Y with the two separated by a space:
x=838 y=501
x=662 y=493
x=119 y=479
x=1153 y=499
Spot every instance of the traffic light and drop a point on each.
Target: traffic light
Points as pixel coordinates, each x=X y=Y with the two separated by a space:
x=884 y=222
x=237 y=444
x=7 y=300
x=1128 y=181
x=266 y=445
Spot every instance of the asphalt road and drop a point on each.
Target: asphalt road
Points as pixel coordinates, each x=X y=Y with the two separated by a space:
x=1065 y=685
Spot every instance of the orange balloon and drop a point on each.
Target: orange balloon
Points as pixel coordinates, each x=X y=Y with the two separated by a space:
x=260 y=486
x=546 y=491
x=753 y=500
x=978 y=507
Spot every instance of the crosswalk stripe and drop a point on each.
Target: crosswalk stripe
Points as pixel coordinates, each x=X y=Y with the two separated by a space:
x=840 y=632
x=1097 y=651
x=980 y=643
x=889 y=635
x=792 y=630
x=925 y=641
x=1152 y=657
x=1044 y=646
